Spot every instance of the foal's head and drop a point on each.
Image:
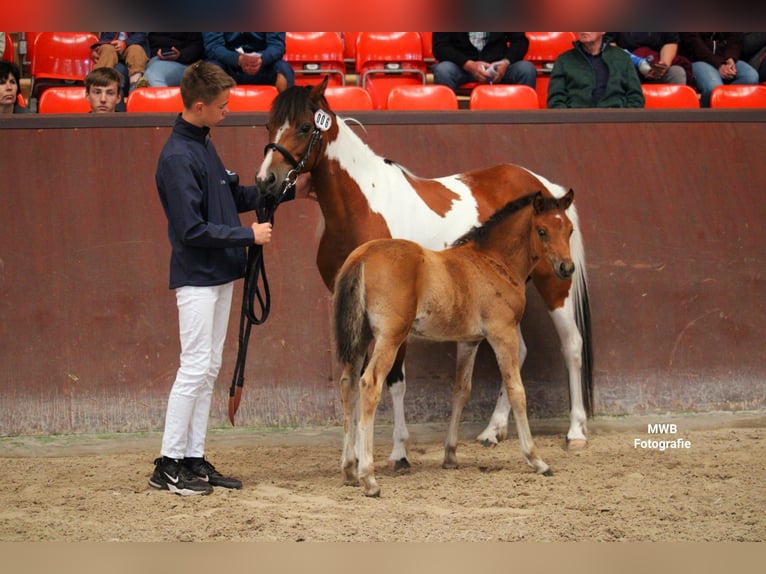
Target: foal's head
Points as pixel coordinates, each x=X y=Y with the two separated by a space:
x=299 y=124
x=551 y=232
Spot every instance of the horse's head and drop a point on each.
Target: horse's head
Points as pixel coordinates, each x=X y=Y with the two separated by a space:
x=299 y=124
x=551 y=232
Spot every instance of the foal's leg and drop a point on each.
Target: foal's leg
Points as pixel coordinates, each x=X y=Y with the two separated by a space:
x=370 y=387
x=397 y=386
x=461 y=391
x=506 y=351
x=497 y=429
x=349 y=385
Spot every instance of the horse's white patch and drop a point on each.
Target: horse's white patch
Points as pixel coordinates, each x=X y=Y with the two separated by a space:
x=263 y=170
x=389 y=193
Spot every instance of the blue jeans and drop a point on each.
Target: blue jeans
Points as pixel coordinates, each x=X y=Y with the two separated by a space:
x=266 y=76
x=453 y=76
x=164 y=73
x=708 y=77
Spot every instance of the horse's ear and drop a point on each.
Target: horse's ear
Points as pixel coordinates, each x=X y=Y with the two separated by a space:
x=538 y=202
x=317 y=91
x=567 y=200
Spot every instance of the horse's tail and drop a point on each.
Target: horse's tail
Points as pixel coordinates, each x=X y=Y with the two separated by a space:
x=581 y=306
x=352 y=329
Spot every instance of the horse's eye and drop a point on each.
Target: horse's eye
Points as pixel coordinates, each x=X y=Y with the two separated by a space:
x=305 y=128
x=541 y=232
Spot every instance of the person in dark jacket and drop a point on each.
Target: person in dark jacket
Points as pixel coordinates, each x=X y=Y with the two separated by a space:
x=251 y=57
x=666 y=66
x=594 y=74
x=170 y=53
x=483 y=57
x=202 y=202
x=717 y=59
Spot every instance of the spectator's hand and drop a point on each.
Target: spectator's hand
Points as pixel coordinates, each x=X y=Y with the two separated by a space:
x=728 y=69
x=94 y=54
x=119 y=45
x=262 y=232
x=250 y=63
x=657 y=70
x=174 y=56
x=479 y=71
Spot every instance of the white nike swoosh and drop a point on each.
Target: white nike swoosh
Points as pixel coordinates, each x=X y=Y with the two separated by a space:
x=171 y=479
x=203 y=478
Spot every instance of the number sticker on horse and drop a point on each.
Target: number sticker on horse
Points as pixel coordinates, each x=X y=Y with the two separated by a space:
x=322 y=120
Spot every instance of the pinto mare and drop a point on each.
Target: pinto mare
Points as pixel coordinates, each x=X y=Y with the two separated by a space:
x=364 y=196
x=389 y=289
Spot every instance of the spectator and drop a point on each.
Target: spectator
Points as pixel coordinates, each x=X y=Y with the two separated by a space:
x=594 y=74
x=754 y=52
x=717 y=59
x=666 y=67
x=170 y=53
x=484 y=57
x=124 y=51
x=250 y=57
x=202 y=201
x=103 y=90
x=10 y=81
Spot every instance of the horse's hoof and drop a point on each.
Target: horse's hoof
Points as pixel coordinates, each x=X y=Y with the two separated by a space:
x=400 y=465
x=372 y=492
x=548 y=472
x=449 y=465
x=577 y=444
x=487 y=443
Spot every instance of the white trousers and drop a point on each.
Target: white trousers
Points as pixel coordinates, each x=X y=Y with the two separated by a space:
x=203 y=318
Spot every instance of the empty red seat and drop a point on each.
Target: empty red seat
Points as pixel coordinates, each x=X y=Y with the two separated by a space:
x=738 y=96
x=669 y=96
x=251 y=98
x=165 y=99
x=503 y=97
x=388 y=59
x=63 y=100
x=423 y=97
x=60 y=58
x=342 y=98
x=312 y=55
x=545 y=47
x=8 y=52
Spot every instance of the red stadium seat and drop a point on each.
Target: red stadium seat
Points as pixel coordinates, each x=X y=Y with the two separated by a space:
x=8 y=53
x=155 y=100
x=251 y=98
x=428 y=48
x=388 y=59
x=312 y=55
x=669 y=96
x=503 y=97
x=545 y=47
x=60 y=58
x=423 y=97
x=349 y=47
x=63 y=100
x=342 y=98
x=738 y=96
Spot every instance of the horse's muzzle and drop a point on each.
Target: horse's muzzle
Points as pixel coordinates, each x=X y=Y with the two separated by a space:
x=565 y=269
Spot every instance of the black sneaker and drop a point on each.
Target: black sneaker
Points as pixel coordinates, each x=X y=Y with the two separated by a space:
x=172 y=475
x=203 y=470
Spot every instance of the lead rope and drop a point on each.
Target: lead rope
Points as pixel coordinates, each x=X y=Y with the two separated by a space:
x=256 y=284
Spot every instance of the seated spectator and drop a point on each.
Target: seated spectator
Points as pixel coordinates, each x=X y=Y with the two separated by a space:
x=594 y=74
x=126 y=52
x=170 y=53
x=666 y=66
x=483 y=57
x=250 y=57
x=754 y=52
x=716 y=59
x=103 y=90
x=10 y=81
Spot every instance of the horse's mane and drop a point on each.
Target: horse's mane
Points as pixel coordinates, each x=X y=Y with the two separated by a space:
x=289 y=104
x=480 y=232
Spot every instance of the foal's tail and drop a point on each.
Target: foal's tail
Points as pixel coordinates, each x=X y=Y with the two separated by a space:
x=581 y=306
x=352 y=329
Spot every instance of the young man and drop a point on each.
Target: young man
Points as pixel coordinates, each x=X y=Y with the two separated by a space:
x=201 y=200
x=103 y=90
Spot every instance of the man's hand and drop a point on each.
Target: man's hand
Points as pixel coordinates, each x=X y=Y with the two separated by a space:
x=250 y=63
x=657 y=70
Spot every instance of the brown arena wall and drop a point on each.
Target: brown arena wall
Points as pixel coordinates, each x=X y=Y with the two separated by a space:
x=672 y=210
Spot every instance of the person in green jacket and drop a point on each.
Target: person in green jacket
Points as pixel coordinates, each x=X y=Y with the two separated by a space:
x=594 y=74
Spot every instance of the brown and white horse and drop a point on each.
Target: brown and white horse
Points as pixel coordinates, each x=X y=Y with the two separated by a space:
x=389 y=289
x=364 y=196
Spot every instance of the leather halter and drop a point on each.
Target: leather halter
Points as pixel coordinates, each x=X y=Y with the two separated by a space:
x=298 y=165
